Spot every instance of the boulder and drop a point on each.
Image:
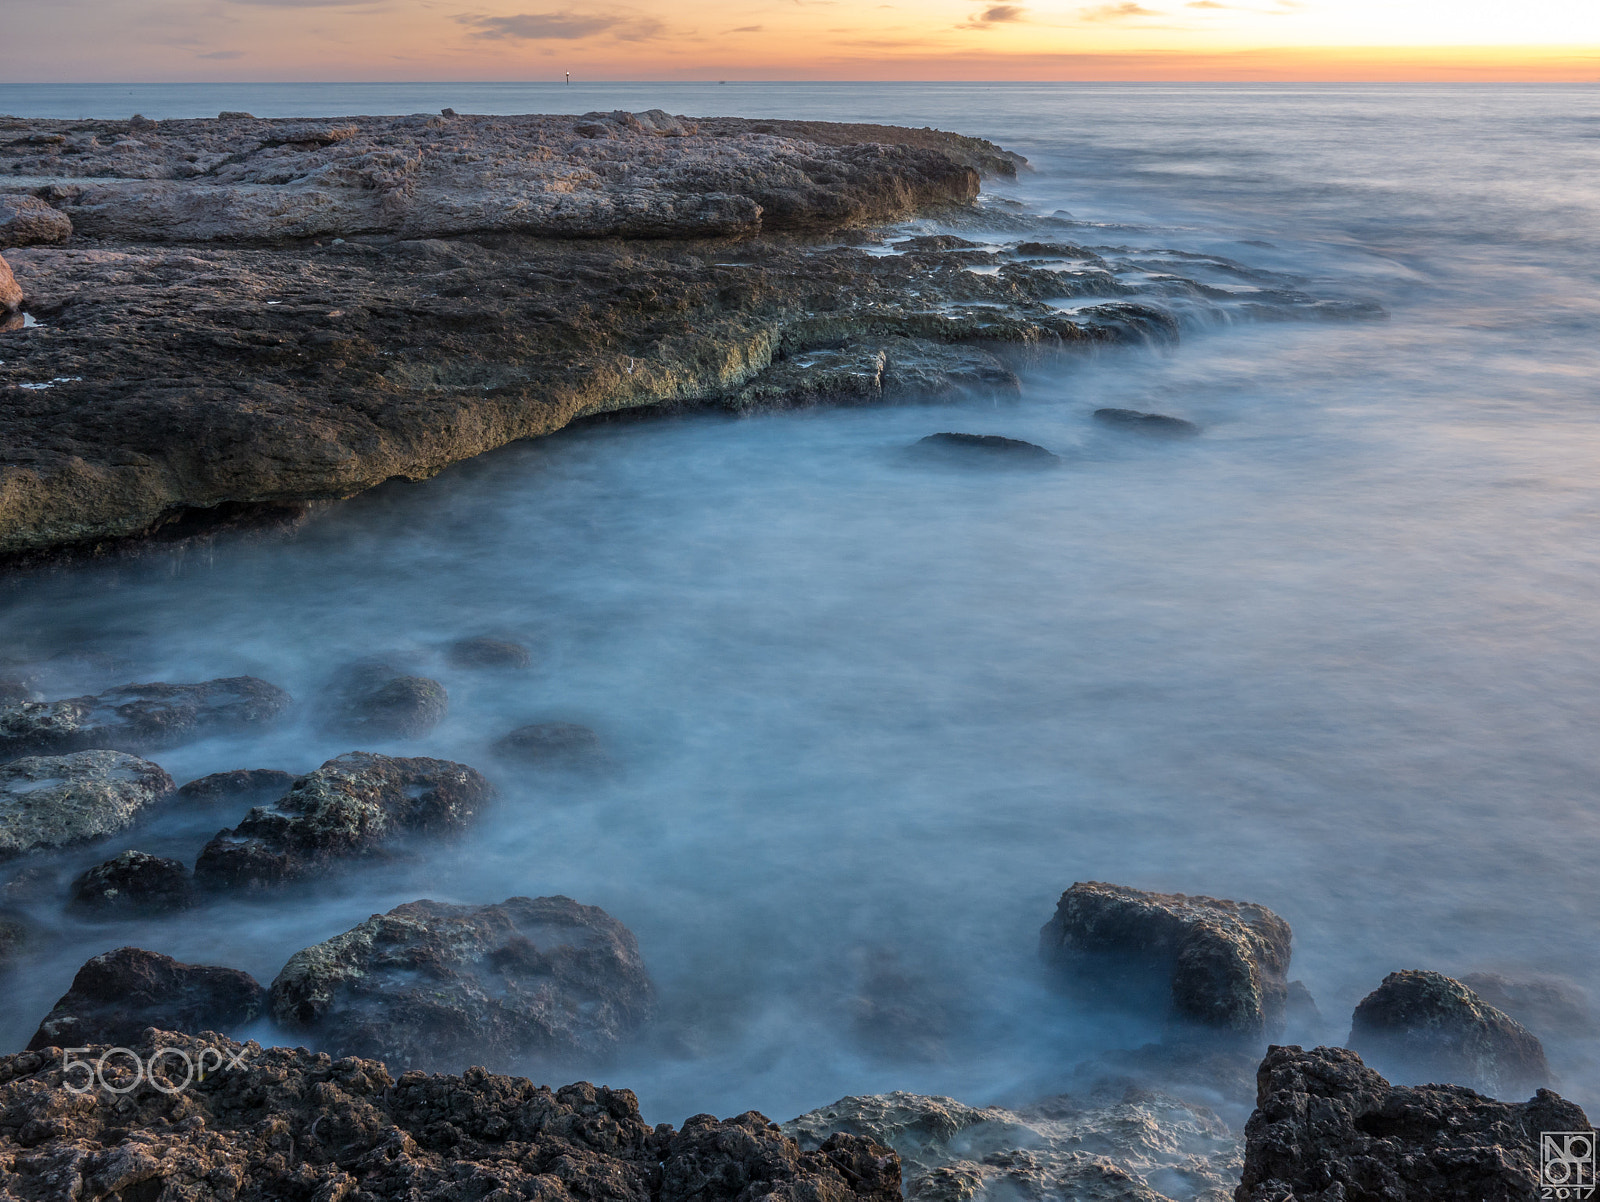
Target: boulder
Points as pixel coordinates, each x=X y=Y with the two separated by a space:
x=138 y=717
x=1425 y=1026
x=57 y=800
x=115 y=996
x=357 y=805
x=489 y=653
x=553 y=745
x=29 y=221
x=1139 y=1147
x=1207 y=963
x=431 y=984
x=1328 y=1127
x=10 y=290
x=246 y=785
x=986 y=449
x=134 y=882
x=1157 y=424
x=281 y=1123
x=372 y=700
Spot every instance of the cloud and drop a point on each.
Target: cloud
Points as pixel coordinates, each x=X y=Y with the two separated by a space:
x=1116 y=12
x=306 y=3
x=561 y=26
x=746 y=29
x=222 y=54
x=996 y=14
x=1206 y=4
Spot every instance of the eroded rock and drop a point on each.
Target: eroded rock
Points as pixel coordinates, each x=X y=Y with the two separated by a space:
x=563 y=745
x=246 y=785
x=372 y=700
x=29 y=221
x=1207 y=962
x=133 y=882
x=430 y=984
x=353 y=806
x=57 y=800
x=1425 y=1026
x=989 y=449
x=115 y=996
x=1326 y=1126
x=139 y=717
x=1157 y=425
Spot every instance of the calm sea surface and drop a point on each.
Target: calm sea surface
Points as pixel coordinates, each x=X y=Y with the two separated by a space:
x=1340 y=656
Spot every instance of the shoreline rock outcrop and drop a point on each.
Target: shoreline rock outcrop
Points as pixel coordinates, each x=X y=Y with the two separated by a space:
x=50 y=801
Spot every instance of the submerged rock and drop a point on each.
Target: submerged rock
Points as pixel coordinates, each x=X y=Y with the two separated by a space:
x=356 y=805
x=1326 y=1126
x=1208 y=963
x=137 y=717
x=372 y=700
x=989 y=449
x=1158 y=424
x=280 y=1123
x=430 y=984
x=553 y=745
x=862 y=371
x=247 y=785
x=134 y=882
x=490 y=653
x=117 y=995
x=29 y=221
x=1144 y=1147
x=1548 y=1006
x=56 y=800
x=1426 y=1026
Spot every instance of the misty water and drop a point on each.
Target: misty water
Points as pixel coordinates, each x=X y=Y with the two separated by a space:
x=870 y=716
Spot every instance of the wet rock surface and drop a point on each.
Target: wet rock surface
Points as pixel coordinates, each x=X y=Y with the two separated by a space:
x=117 y=995
x=1209 y=963
x=29 y=221
x=372 y=700
x=356 y=805
x=1326 y=1127
x=50 y=801
x=133 y=882
x=247 y=785
x=284 y=1123
x=140 y=717
x=1156 y=425
x=1137 y=1147
x=1425 y=1026
x=431 y=984
x=990 y=449
x=553 y=745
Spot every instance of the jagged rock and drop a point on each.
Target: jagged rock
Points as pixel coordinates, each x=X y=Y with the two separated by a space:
x=29 y=221
x=988 y=449
x=279 y=1123
x=115 y=996
x=1141 y=1147
x=10 y=290
x=357 y=805
x=138 y=717
x=1207 y=962
x=1158 y=424
x=490 y=653
x=1546 y=1005
x=430 y=984
x=1425 y=1026
x=370 y=700
x=57 y=800
x=553 y=745
x=240 y=785
x=1327 y=1127
x=134 y=882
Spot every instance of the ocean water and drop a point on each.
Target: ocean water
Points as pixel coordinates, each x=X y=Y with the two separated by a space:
x=1340 y=655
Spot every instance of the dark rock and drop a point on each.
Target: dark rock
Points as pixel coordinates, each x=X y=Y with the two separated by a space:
x=435 y=984
x=371 y=700
x=1158 y=424
x=15 y=936
x=246 y=785
x=1426 y=1026
x=137 y=717
x=1057 y=250
x=115 y=996
x=15 y=690
x=1327 y=1127
x=32 y=885
x=284 y=1123
x=937 y=242
x=356 y=805
x=1303 y=1021
x=553 y=745
x=1207 y=962
x=490 y=653
x=989 y=449
x=10 y=290
x=1546 y=1005
x=866 y=371
x=29 y=221
x=134 y=882
x=57 y=800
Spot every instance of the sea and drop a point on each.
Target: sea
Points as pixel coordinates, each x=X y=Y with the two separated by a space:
x=868 y=716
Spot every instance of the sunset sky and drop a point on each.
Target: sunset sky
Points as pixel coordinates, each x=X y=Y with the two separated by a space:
x=139 y=40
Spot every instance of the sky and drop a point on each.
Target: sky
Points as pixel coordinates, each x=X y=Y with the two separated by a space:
x=354 y=40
